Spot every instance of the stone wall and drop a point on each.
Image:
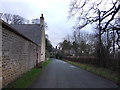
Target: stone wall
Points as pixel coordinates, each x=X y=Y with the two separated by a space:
x=19 y=55
x=0 y=55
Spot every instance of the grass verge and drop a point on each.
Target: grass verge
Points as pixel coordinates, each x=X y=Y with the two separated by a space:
x=27 y=78
x=108 y=74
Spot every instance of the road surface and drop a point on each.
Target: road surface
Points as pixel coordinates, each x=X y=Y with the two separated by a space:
x=60 y=74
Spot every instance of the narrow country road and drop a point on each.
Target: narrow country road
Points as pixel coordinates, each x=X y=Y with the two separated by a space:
x=60 y=74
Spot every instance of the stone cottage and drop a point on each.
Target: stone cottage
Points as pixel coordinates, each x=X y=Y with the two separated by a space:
x=22 y=47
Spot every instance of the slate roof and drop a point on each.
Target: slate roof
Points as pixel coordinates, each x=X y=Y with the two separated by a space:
x=31 y=31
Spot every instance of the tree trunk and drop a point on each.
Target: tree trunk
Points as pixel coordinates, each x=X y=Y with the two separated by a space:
x=100 y=41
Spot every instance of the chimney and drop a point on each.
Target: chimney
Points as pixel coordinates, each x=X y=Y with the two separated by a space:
x=42 y=21
x=42 y=44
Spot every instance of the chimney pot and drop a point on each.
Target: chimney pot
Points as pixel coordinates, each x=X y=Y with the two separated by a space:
x=42 y=16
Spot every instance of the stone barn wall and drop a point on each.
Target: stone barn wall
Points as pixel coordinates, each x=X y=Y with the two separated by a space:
x=19 y=54
x=0 y=55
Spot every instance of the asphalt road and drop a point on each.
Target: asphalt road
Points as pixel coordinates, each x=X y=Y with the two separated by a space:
x=60 y=74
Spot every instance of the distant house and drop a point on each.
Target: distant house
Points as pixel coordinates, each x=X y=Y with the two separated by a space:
x=22 y=47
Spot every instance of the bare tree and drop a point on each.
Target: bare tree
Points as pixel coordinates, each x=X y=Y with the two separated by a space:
x=35 y=21
x=7 y=17
x=88 y=12
x=91 y=11
x=13 y=19
x=46 y=26
x=17 y=20
x=116 y=27
x=1 y=14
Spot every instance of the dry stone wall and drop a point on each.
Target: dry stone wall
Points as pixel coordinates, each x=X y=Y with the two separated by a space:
x=19 y=55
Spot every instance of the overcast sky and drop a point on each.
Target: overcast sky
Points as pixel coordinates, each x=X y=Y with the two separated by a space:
x=55 y=14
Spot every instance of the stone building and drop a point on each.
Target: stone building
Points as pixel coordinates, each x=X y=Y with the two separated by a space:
x=22 y=47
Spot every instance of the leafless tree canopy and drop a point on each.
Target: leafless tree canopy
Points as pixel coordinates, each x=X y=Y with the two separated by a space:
x=87 y=11
x=102 y=12
x=35 y=21
x=13 y=19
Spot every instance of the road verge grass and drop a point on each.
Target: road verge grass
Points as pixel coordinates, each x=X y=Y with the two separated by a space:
x=27 y=78
x=108 y=74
